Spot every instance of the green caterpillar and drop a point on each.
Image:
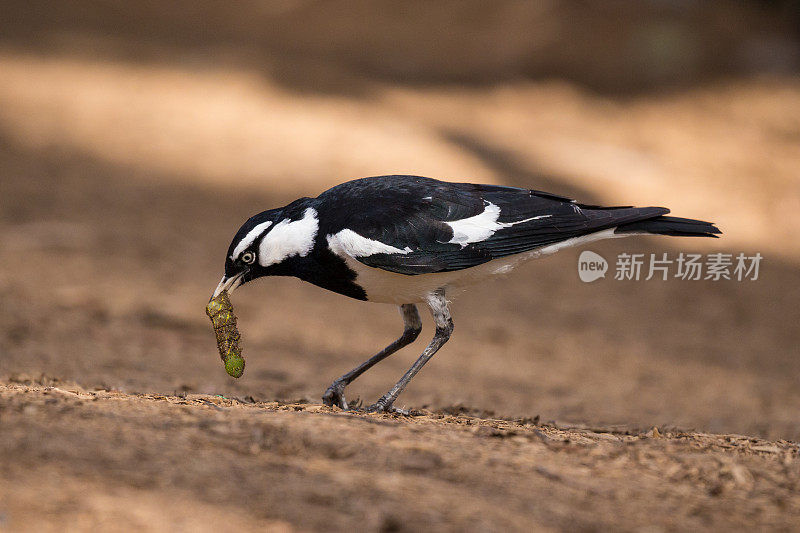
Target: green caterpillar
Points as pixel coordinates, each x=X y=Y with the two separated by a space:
x=220 y=311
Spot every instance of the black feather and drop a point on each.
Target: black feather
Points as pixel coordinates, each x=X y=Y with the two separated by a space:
x=413 y=212
x=677 y=227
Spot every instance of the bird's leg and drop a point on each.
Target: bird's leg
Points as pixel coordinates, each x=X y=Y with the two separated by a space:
x=413 y=325
x=444 y=327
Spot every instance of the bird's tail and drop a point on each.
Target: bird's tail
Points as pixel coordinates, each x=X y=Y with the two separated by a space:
x=679 y=227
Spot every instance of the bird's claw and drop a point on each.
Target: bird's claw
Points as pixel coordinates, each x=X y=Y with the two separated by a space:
x=382 y=407
x=334 y=396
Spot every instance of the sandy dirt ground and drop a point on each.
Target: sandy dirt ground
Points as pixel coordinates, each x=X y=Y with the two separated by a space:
x=201 y=462
x=557 y=405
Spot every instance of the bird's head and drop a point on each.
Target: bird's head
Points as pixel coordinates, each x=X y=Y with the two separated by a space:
x=265 y=242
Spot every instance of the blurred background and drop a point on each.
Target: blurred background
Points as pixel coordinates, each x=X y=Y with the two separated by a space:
x=135 y=138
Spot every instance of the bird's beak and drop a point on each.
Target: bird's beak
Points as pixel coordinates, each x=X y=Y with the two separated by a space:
x=229 y=284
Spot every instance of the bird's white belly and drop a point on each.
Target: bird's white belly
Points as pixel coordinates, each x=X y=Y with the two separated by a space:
x=389 y=287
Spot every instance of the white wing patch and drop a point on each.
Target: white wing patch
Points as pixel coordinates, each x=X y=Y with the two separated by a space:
x=289 y=238
x=349 y=242
x=482 y=226
x=248 y=239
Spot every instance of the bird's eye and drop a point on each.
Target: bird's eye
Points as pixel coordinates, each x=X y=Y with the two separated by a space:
x=248 y=258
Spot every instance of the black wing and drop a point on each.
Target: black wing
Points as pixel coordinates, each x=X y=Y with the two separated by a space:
x=413 y=212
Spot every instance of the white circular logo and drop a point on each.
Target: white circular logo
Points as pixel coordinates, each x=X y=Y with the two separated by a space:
x=591 y=266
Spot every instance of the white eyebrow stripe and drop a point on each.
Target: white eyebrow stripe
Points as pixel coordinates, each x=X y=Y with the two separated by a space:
x=289 y=238
x=248 y=239
x=482 y=226
x=355 y=245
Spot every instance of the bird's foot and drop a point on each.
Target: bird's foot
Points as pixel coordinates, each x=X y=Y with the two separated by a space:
x=383 y=406
x=334 y=396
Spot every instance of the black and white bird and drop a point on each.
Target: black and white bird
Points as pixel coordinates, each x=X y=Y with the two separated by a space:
x=406 y=240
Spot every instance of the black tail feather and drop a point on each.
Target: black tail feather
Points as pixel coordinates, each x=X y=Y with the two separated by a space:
x=678 y=227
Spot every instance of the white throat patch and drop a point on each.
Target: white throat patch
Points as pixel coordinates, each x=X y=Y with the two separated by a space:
x=289 y=238
x=251 y=236
x=481 y=226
